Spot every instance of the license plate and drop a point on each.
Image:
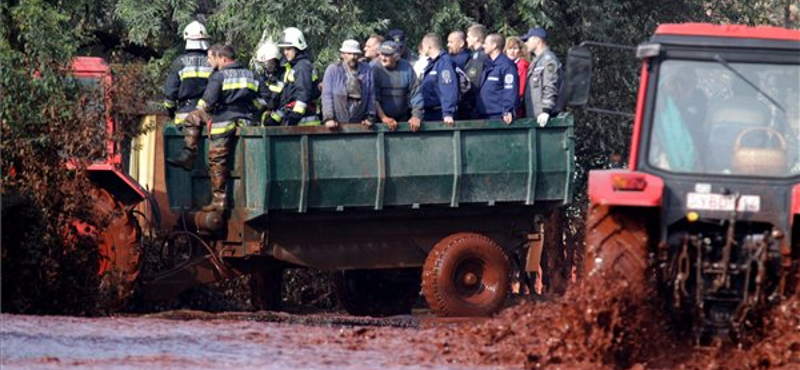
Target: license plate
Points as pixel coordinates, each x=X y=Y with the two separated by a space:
x=719 y=202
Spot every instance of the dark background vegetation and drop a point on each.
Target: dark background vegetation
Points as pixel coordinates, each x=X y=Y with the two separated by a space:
x=45 y=120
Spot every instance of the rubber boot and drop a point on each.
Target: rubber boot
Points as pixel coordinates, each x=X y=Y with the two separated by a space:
x=189 y=151
x=219 y=179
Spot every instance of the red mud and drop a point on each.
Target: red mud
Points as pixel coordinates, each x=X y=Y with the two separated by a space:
x=577 y=331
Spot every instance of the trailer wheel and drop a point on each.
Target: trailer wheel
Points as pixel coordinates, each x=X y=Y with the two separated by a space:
x=377 y=292
x=466 y=274
x=616 y=245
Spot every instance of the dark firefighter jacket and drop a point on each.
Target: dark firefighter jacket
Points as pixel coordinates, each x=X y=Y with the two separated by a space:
x=300 y=90
x=231 y=97
x=186 y=80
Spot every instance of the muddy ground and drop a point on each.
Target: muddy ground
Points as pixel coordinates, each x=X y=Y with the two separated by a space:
x=565 y=334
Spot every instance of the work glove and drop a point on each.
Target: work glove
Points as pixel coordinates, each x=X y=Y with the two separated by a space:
x=542 y=119
x=268 y=119
x=293 y=118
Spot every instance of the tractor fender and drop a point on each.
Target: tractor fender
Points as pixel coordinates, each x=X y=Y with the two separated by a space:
x=124 y=188
x=625 y=188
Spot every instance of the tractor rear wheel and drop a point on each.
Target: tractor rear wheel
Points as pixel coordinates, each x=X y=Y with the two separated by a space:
x=466 y=274
x=617 y=246
x=119 y=243
x=377 y=292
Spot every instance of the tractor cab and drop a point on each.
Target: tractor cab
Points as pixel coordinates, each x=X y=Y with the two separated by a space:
x=94 y=76
x=714 y=171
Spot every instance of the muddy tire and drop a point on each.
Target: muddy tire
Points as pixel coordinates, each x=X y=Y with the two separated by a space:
x=266 y=286
x=377 y=292
x=616 y=245
x=466 y=274
x=119 y=246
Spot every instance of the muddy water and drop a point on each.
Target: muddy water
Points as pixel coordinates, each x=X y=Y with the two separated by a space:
x=575 y=332
x=207 y=342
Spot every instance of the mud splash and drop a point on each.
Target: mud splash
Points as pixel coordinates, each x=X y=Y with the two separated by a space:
x=599 y=326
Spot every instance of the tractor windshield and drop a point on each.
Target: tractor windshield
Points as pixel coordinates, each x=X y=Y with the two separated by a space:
x=727 y=118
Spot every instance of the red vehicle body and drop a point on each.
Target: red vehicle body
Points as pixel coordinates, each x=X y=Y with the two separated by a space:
x=710 y=201
x=115 y=194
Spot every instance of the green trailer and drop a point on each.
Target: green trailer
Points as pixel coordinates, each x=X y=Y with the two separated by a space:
x=445 y=207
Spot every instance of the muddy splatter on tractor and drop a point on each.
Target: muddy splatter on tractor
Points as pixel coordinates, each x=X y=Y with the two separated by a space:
x=113 y=196
x=709 y=208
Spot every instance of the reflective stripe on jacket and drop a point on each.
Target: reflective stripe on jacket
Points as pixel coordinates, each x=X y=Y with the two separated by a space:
x=231 y=96
x=186 y=80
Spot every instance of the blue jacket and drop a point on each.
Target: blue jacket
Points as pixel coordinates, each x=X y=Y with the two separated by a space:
x=335 y=99
x=499 y=91
x=440 y=88
x=461 y=59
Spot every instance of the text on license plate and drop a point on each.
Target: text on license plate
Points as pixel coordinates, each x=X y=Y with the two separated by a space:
x=719 y=202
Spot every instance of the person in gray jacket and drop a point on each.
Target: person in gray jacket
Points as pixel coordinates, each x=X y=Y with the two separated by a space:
x=397 y=93
x=544 y=90
x=348 y=92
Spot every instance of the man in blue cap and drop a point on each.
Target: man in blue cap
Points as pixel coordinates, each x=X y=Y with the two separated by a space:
x=397 y=90
x=399 y=37
x=544 y=93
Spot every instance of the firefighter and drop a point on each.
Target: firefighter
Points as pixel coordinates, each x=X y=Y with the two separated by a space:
x=184 y=86
x=498 y=94
x=270 y=74
x=301 y=83
x=232 y=95
x=439 y=82
x=544 y=93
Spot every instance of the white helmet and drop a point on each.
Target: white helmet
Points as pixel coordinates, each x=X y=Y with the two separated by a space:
x=293 y=37
x=195 y=31
x=267 y=51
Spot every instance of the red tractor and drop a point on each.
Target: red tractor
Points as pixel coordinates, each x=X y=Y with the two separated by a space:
x=115 y=193
x=709 y=206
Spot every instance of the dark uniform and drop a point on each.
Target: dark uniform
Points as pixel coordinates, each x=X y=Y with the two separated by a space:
x=231 y=97
x=300 y=90
x=270 y=91
x=461 y=58
x=185 y=83
x=545 y=90
x=440 y=88
x=474 y=70
x=499 y=90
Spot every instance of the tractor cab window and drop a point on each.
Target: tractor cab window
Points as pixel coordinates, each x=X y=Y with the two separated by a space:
x=94 y=92
x=727 y=118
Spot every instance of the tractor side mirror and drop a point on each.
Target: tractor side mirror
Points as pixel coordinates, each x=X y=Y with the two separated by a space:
x=579 y=75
